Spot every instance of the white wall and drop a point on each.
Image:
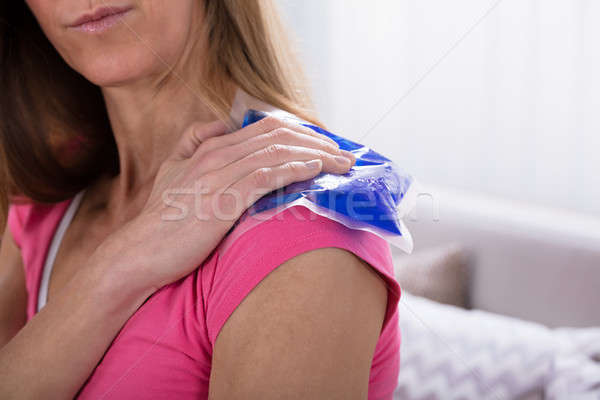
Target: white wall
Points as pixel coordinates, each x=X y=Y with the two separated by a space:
x=511 y=110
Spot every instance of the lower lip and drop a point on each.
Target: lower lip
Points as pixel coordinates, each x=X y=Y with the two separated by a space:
x=103 y=24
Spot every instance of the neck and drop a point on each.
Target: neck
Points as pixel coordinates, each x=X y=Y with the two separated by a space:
x=147 y=123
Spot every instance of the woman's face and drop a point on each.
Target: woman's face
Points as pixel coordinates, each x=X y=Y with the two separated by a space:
x=142 y=38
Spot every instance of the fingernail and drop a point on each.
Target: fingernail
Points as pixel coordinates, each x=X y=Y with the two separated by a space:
x=342 y=160
x=336 y=150
x=348 y=155
x=314 y=164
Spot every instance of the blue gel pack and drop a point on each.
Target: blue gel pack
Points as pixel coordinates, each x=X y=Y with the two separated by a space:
x=374 y=195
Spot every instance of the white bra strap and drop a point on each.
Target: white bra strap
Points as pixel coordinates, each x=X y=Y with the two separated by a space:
x=54 y=246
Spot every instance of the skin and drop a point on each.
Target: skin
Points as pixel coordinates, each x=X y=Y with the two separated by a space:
x=167 y=139
x=13 y=297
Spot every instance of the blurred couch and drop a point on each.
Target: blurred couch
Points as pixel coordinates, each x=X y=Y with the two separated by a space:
x=500 y=301
x=526 y=262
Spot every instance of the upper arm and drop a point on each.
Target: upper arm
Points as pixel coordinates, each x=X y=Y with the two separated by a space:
x=13 y=294
x=307 y=330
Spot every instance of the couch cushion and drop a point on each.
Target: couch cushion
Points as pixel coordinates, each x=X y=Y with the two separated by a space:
x=439 y=273
x=451 y=353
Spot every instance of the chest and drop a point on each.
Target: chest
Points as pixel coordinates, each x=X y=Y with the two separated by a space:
x=73 y=252
x=80 y=231
x=162 y=351
x=76 y=237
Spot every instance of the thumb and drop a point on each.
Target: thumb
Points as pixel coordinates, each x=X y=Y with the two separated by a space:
x=194 y=135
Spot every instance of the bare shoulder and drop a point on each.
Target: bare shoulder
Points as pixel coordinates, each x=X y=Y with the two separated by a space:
x=308 y=330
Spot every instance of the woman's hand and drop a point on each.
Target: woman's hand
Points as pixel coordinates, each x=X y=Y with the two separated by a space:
x=211 y=178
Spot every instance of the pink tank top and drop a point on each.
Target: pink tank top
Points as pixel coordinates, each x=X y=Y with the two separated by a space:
x=164 y=350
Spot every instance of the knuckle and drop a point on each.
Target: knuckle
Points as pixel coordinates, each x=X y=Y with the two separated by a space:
x=194 y=129
x=262 y=178
x=271 y=122
x=200 y=128
x=295 y=168
x=269 y=137
x=283 y=134
x=322 y=154
x=275 y=151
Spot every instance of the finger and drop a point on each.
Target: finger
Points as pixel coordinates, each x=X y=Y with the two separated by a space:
x=224 y=156
x=196 y=134
x=264 y=180
x=349 y=155
x=293 y=125
x=265 y=125
x=275 y=155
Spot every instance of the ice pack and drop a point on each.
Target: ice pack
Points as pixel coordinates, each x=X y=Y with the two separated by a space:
x=373 y=196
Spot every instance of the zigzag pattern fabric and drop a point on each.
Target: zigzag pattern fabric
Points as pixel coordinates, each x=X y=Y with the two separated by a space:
x=453 y=354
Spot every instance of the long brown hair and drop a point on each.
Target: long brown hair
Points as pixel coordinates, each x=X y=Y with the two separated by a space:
x=55 y=136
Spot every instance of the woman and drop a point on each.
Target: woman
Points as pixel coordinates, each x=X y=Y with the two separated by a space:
x=122 y=272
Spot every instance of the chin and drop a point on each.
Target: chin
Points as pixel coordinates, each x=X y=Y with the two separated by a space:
x=118 y=57
x=141 y=40
x=118 y=67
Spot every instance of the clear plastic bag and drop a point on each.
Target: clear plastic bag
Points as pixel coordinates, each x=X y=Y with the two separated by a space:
x=373 y=196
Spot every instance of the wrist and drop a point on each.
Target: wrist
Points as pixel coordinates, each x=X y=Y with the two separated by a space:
x=118 y=285
x=116 y=273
